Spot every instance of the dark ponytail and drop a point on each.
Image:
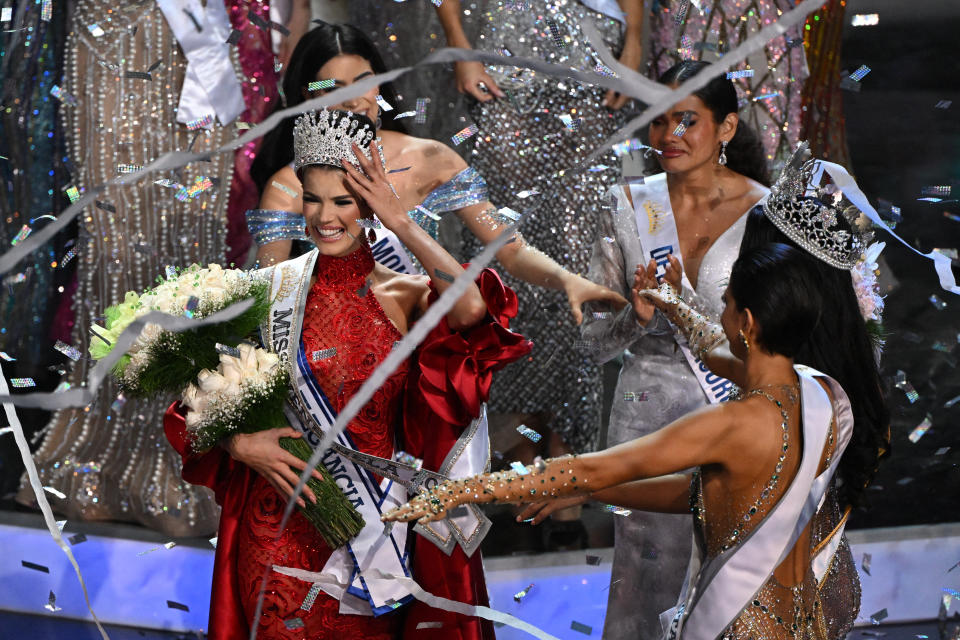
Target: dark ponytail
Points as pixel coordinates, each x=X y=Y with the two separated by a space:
x=745 y=153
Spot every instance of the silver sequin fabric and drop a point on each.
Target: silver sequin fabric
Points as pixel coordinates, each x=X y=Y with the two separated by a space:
x=111 y=458
x=652 y=549
x=522 y=144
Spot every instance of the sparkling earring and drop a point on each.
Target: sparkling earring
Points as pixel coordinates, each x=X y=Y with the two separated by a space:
x=743 y=339
x=723 y=154
x=379 y=123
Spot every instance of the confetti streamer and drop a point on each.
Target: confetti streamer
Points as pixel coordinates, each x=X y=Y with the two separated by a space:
x=287 y=190
x=526 y=431
x=920 y=429
x=321 y=85
x=523 y=195
x=165 y=545
x=464 y=134
x=520 y=595
x=766 y=96
x=323 y=354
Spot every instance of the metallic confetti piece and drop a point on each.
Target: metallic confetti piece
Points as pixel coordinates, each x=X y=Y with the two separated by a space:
x=941 y=451
x=408 y=458
x=920 y=429
x=526 y=193
x=631 y=396
x=52 y=603
x=68 y=350
x=865 y=563
x=253 y=17
x=227 y=350
x=865 y=20
x=443 y=275
x=323 y=354
x=860 y=73
x=193 y=19
x=213 y=541
x=936 y=190
x=22 y=383
x=191 y=306
x=943 y=104
x=520 y=595
x=287 y=190
x=311 y=596
x=593 y=561
x=602 y=315
x=429 y=625
x=939 y=346
x=421 y=115
x=464 y=134
x=519 y=467
x=56 y=492
x=405 y=114
x=684 y=123
x=72 y=193
x=95 y=30
x=742 y=73
x=686 y=48
x=426 y=212
x=6 y=14
x=137 y=75
x=555 y=33
x=901 y=382
x=386 y=106
x=604 y=70
x=177 y=605
x=21 y=235
x=952 y=401
x=118 y=403
x=293 y=623
x=320 y=85
x=235 y=36
x=35 y=566
x=582 y=628
x=617 y=511
x=508 y=213
x=361 y=293
x=877 y=617
x=570 y=122
x=681 y=12
x=128 y=168
x=526 y=431
x=937 y=303
x=63 y=386
x=200 y=123
x=77 y=538
x=165 y=545
x=106 y=206
x=61 y=95
x=369 y=223
x=6 y=356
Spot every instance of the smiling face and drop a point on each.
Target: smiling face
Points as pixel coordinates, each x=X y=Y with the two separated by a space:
x=331 y=211
x=344 y=70
x=700 y=143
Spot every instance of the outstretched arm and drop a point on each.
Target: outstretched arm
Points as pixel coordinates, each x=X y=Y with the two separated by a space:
x=371 y=184
x=708 y=436
x=472 y=78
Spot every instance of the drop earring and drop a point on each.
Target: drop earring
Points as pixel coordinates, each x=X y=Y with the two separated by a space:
x=722 y=160
x=371 y=236
x=743 y=339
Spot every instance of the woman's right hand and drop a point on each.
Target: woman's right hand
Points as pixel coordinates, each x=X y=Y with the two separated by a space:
x=261 y=451
x=472 y=77
x=539 y=511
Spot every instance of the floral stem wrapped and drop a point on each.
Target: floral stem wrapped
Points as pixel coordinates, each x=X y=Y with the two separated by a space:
x=245 y=394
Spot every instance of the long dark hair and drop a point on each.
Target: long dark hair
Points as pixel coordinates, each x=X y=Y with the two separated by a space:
x=317 y=47
x=745 y=153
x=842 y=348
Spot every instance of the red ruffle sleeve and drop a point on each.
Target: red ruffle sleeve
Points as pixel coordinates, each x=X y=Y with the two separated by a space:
x=448 y=383
x=230 y=481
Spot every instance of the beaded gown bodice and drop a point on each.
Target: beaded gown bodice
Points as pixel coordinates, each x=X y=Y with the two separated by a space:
x=724 y=517
x=346 y=335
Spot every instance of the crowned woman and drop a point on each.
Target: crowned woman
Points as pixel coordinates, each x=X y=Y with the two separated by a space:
x=335 y=316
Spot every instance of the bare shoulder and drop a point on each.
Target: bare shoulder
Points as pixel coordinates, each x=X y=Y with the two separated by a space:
x=441 y=160
x=403 y=285
x=285 y=197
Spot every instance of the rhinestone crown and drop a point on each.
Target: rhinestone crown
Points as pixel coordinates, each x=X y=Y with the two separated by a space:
x=326 y=137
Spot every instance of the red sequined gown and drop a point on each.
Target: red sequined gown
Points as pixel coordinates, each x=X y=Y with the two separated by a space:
x=441 y=387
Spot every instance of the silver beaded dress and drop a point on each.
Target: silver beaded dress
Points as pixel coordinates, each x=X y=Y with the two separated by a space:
x=655 y=387
x=111 y=458
x=771 y=101
x=522 y=144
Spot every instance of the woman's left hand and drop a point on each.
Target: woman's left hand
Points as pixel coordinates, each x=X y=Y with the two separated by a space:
x=370 y=183
x=630 y=57
x=580 y=290
x=425 y=507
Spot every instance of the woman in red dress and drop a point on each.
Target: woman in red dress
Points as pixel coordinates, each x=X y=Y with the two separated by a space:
x=350 y=314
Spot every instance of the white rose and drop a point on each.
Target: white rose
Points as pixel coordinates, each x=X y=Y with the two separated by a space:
x=216 y=295
x=193 y=420
x=213 y=277
x=231 y=368
x=195 y=399
x=233 y=389
x=248 y=358
x=266 y=361
x=211 y=381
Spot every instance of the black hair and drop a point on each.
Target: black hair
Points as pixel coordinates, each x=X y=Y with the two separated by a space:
x=745 y=153
x=317 y=47
x=841 y=347
x=779 y=286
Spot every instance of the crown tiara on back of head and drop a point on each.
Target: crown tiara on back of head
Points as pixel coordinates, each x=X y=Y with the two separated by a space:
x=809 y=220
x=327 y=137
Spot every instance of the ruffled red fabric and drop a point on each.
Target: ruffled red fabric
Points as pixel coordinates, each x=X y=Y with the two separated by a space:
x=450 y=380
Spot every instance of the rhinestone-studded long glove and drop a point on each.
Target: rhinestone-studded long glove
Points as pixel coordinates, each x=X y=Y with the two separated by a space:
x=540 y=481
x=702 y=334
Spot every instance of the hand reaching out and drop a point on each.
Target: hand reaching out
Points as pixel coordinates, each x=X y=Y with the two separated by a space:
x=580 y=290
x=473 y=80
x=645 y=277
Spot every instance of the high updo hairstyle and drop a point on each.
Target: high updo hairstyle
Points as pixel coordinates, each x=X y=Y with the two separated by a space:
x=317 y=47
x=841 y=347
x=745 y=153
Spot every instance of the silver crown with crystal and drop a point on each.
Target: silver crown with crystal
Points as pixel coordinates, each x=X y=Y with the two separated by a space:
x=326 y=138
x=802 y=211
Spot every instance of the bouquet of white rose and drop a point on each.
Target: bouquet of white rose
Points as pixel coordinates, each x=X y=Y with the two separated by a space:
x=164 y=361
x=227 y=390
x=246 y=394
